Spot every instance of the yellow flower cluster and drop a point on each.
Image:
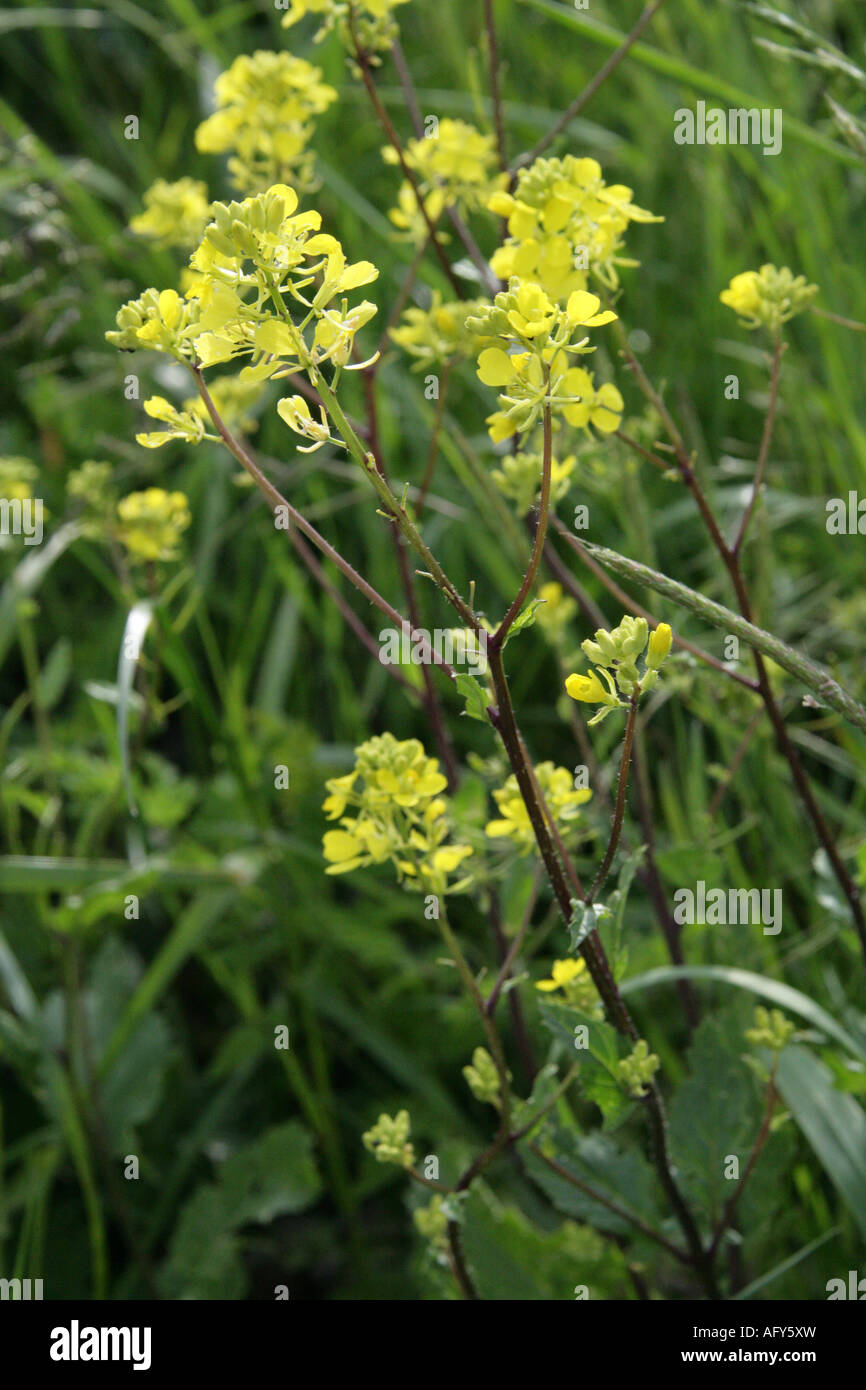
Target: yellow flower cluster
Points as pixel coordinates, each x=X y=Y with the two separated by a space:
x=388 y=1140
x=370 y=22
x=616 y=654
x=439 y=334
x=562 y=799
x=768 y=297
x=175 y=214
x=398 y=815
x=182 y=424
x=150 y=523
x=564 y=222
x=455 y=166
x=266 y=103
x=531 y=341
x=258 y=261
x=519 y=478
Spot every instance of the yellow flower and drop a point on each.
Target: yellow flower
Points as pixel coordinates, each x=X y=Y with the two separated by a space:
x=372 y=21
x=519 y=479
x=295 y=412
x=562 y=973
x=527 y=344
x=588 y=689
x=151 y=523
x=182 y=424
x=659 y=646
x=574 y=980
x=616 y=654
x=438 y=334
x=743 y=294
x=769 y=297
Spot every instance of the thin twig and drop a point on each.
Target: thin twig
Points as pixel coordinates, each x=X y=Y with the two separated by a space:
x=764 y=450
x=499 y=636
x=619 y=808
x=592 y=87
x=495 y=93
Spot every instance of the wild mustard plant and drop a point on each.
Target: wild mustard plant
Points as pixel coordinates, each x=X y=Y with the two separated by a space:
x=518 y=478
x=439 y=334
x=269 y=295
x=563 y=800
x=456 y=168
x=371 y=22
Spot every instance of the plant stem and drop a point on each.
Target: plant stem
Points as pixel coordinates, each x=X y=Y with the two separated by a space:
x=619 y=808
x=276 y=500
x=622 y=1212
x=764 y=450
x=499 y=636
x=394 y=139
x=495 y=93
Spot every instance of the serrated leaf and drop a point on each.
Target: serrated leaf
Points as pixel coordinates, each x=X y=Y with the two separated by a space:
x=204 y=1257
x=714 y=1113
x=510 y=1259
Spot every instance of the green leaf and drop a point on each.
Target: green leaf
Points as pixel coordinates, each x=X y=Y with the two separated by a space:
x=831 y=1120
x=475 y=696
x=271 y=1177
x=510 y=1259
x=187 y=936
x=622 y=1176
x=204 y=1256
x=524 y=619
x=599 y=1075
x=585 y=919
x=714 y=1113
